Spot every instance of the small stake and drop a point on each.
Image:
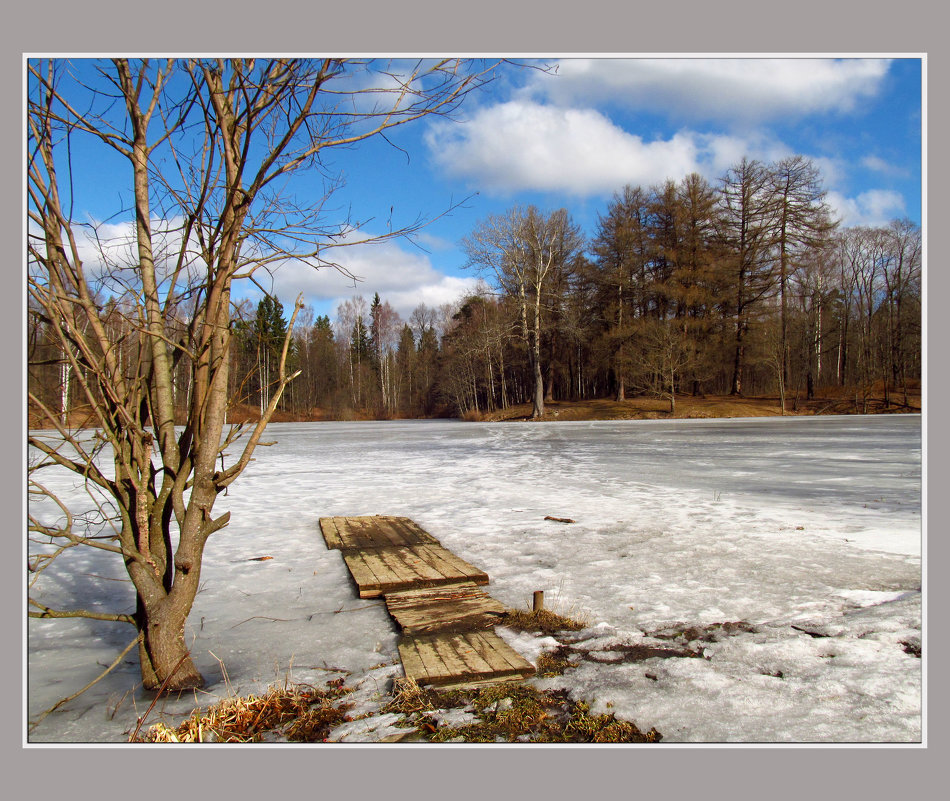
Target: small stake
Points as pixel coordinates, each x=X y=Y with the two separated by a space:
x=538 y=601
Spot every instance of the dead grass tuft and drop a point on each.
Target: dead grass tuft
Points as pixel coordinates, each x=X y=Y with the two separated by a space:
x=521 y=713
x=288 y=712
x=409 y=698
x=544 y=621
x=553 y=664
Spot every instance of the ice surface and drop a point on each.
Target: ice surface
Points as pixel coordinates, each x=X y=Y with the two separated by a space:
x=791 y=525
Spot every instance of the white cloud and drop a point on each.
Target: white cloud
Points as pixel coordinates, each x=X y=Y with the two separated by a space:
x=518 y=145
x=874 y=207
x=521 y=145
x=404 y=278
x=878 y=164
x=738 y=89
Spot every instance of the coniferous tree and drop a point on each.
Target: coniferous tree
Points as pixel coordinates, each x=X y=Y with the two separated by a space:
x=803 y=222
x=746 y=229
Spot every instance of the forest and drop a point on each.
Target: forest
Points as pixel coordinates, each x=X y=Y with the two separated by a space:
x=745 y=287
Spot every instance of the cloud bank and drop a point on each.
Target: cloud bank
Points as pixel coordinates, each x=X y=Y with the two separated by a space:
x=724 y=89
x=874 y=207
x=524 y=145
x=404 y=278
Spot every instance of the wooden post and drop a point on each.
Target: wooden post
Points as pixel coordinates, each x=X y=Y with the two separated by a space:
x=538 y=601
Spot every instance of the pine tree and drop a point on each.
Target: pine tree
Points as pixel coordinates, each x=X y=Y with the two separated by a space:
x=270 y=330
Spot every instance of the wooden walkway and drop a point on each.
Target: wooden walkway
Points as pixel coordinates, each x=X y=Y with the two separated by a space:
x=446 y=620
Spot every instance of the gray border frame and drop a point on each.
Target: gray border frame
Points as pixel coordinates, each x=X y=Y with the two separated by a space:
x=490 y=26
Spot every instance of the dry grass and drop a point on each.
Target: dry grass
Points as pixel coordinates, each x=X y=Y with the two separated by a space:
x=831 y=400
x=410 y=699
x=520 y=713
x=511 y=713
x=288 y=712
x=543 y=621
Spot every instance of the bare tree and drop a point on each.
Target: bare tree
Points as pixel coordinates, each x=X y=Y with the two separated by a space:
x=665 y=353
x=902 y=284
x=621 y=253
x=212 y=149
x=746 y=222
x=803 y=222
x=522 y=250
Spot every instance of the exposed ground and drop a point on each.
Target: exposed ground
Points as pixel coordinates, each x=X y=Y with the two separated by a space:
x=837 y=400
x=506 y=712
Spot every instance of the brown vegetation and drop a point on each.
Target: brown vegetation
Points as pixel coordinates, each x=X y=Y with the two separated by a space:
x=833 y=401
x=294 y=713
x=510 y=713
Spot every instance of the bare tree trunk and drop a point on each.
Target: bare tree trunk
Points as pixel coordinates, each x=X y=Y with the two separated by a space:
x=232 y=132
x=538 y=400
x=65 y=371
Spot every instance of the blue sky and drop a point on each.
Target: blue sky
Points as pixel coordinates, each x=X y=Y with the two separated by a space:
x=574 y=136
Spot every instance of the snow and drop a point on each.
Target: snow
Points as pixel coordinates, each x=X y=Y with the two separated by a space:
x=808 y=531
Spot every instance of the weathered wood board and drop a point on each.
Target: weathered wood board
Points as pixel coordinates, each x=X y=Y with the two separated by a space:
x=378 y=571
x=373 y=532
x=462 y=658
x=434 y=598
x=452 y=607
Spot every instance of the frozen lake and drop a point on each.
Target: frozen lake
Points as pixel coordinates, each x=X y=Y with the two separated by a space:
x=806 y=522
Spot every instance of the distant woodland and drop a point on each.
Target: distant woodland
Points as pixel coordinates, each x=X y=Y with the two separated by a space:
x=743 y=287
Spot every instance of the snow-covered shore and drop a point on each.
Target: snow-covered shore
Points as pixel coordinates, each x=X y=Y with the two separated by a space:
x=807 y=531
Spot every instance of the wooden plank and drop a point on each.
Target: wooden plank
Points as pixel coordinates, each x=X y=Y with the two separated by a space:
x=408 y=562
x=373 y=532
x=412 y=532
x=454 y=667
x=412 y=663
x=441 y=664
x=492 y=650
x=352 y=533
x=469 y=684
x=386 y=578
x=366 y=579
x=498 y=653
x=470 y=656
x=462 y=589
x=469 y=570
x=456 y=606
x=431 y=663
x=437 y=557
x=458 y=659
x=331 y=533
x=433 y=595
x=396 y=569
x=386 y=534
x=383 y=570
x=464 y=596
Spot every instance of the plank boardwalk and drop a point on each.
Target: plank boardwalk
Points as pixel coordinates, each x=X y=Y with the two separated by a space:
x=388 y=554
x=461 y=659
x=432 y=594
x=373 y=532
x=460 y=606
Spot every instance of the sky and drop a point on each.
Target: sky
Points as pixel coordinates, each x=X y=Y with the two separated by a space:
x=573 y=135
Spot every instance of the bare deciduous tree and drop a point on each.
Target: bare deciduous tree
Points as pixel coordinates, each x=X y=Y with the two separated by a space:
x=522 y=250
x=212 y=150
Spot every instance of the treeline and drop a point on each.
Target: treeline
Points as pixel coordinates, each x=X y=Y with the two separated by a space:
x=749 y=287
